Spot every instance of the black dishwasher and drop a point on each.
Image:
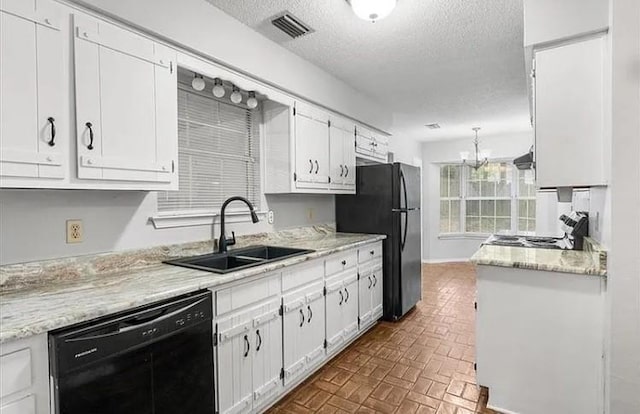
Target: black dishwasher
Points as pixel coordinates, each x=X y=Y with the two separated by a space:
x=157 y=359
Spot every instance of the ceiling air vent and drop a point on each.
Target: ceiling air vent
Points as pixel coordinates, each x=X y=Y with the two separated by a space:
x=433 y=126
x=291 y=25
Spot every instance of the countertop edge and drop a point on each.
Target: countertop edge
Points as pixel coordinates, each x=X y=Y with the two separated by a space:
x=206 y=283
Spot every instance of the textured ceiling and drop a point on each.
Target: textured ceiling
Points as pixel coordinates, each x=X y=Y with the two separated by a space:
x=456 y=62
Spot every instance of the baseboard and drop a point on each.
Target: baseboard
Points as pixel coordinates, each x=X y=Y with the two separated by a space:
x=436 y=261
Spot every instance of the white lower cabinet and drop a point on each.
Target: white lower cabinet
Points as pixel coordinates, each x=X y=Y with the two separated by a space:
x=342 y=309
x=249 y=357
x=370 y=294
x=24 y=376
x=303 y=322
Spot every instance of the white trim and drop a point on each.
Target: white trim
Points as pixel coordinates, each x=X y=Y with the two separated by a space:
x=436 y=261
x=500 y=410
x=165 y=221
x=463 y=236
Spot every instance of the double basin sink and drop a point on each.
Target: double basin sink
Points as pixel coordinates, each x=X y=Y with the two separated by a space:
x=238 y=259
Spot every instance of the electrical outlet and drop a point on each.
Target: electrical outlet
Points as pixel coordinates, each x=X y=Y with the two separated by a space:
x=75 y=232
x=270 y=217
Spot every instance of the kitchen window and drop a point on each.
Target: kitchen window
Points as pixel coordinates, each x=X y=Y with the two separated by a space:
x=496 y=198
x=218 y=154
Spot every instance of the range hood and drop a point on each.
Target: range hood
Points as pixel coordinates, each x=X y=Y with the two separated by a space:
x=526 y=161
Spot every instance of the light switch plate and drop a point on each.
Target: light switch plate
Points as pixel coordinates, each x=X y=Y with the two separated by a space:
x=75 y=232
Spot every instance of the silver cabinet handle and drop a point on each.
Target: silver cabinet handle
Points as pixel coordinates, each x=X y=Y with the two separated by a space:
x=347 y=292
x=259 y=337
x=311 y=168
x=375 y=280
x=341 y=170
x=341 y=297
x=347 y=171
x=317 y=167
x=247 y=347
x=301 y=318
x=370 y=282
x=310 y=314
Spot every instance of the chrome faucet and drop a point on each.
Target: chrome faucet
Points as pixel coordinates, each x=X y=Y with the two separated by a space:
x=223 y=242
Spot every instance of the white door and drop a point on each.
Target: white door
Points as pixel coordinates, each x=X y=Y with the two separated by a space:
x=349 y=157
x=311 y=147
x=334 y=300
x=350 y=307
x=314 y=329
x=376 y=294
x=33 y=133
x=336 y=155
x=294 y=352
x=364 y=298
x=126 y=105
x=234 y=365
x=364 y=142
x=569 y=114
x=267 y=350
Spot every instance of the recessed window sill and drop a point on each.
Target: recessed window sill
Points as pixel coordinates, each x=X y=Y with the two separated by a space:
x=463 y=236
x=171 y=220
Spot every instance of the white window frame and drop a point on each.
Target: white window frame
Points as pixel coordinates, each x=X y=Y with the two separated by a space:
x=514 y=198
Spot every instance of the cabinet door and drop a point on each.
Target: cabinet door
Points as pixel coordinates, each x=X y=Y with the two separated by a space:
x=364 y=298
x=234 y=365
x=376 y=294
x=26 y=405
x=126 y=105
x=336 y=155
x=349 y=157
x=313 y=331
x=33 y=135
x=311 y=147
x=334 y=301
x=569 y=114
x=267 y=358
x=294 y=318
x=350 y=307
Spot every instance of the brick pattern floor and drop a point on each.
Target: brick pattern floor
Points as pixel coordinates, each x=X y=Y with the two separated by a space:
x=422 y=364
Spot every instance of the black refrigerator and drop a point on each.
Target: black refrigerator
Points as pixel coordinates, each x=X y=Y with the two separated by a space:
x=387 y=201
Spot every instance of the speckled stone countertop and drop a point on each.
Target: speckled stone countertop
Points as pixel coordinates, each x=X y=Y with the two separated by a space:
x=591 y=261
x=42 y=296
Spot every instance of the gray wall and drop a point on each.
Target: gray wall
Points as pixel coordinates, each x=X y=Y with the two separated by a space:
x=624 y=262
x=33 y=222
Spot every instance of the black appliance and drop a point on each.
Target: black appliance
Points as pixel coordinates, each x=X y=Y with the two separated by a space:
x=387 y=201
x=576 y=227
x=155 y=359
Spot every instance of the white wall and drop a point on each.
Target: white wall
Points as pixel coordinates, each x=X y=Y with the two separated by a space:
x=205 y=29
x=546 y=20
x=435 y=153
x=33 y=222
x=624 y=259
x=406 y=150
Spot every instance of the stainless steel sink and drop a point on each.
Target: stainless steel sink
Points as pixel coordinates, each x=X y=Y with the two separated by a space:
x=237 y=259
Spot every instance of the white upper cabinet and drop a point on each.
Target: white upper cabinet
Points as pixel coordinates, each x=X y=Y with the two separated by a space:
x=343 y=156
x=550 y=20
x=311 y=146
x=370 y=145
x=307 y=150
x=569 y=114
x=33 y=132
x=126 y=105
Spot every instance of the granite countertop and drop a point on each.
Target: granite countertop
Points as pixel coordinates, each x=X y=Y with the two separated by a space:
x=39 y=297
x=591 y=261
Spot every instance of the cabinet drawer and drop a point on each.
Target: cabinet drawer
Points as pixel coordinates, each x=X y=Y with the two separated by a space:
x=302 y=274
x=341 y=261
x=15 y=372
x=370 y=252
x=237 y=297
x=26 y=405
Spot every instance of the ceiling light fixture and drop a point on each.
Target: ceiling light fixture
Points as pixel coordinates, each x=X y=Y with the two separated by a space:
x=236 y=96
x=372 y=10
x=218 y=88
x=198 y=82
x=479 y=161
x=252 y=102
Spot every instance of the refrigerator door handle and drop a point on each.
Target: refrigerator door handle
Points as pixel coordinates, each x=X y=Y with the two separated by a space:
x=406 y=226
x=404 y=210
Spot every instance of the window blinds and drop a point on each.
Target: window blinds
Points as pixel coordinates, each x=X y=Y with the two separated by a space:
x=218 y=154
